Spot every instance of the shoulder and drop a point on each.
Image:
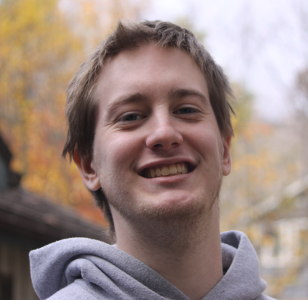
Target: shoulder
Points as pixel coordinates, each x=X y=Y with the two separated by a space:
x=74 y=291
x=264 y=297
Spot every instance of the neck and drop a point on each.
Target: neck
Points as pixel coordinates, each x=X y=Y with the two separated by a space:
x=187 y=254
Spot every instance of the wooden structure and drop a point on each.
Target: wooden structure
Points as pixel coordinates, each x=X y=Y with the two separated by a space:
x=27 y=222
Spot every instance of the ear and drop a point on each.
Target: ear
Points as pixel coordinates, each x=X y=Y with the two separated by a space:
x=88 y=174
x=226 y=162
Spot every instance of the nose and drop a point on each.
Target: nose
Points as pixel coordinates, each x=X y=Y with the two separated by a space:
x=163 y=136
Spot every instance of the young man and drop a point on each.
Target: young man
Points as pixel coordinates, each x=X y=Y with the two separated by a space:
x=150 y=131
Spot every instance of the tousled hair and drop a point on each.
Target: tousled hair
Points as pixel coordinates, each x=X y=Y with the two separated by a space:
x=82 y=107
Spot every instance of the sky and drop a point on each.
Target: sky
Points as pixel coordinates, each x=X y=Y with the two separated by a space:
x=261 y=44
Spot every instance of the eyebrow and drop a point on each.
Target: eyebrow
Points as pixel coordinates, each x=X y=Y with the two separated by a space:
x=124 y=100
x=183 y=92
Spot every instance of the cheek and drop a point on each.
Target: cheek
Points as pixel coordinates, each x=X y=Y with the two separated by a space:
x=124 y=147
x=208 y=143
x=211 y=149
x=116 y=152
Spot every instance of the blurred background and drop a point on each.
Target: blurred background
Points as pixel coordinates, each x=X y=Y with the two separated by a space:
x=262 y=46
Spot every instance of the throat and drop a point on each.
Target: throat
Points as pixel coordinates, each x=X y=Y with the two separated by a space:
x=189 y=259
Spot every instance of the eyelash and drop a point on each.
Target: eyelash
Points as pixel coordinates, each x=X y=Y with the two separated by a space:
x=127 y=117
x=186 y=110
x=131 y=117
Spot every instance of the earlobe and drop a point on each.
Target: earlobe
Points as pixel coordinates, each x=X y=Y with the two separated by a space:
x=88 y=174
x=226 y=156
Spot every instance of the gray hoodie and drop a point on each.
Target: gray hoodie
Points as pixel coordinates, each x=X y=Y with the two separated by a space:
x=85 y=269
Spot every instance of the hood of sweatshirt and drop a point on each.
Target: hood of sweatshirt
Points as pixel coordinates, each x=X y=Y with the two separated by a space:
x=81 y=268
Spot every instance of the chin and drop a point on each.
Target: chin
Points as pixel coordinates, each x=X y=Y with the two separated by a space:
x=175 y=209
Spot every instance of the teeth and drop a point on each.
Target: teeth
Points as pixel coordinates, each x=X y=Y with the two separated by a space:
x=180 y=168
x=165 y=171
x=173 y=169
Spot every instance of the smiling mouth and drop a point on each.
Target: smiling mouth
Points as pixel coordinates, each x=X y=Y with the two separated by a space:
x=167 y=170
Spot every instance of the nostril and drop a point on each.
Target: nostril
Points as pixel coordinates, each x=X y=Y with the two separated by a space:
x=157 y=146
x=164 y=146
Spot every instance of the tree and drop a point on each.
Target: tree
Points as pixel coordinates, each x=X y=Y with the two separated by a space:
x=42 y=44
x=37 y=52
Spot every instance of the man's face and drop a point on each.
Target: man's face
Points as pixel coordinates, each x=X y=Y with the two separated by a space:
x=157 y=150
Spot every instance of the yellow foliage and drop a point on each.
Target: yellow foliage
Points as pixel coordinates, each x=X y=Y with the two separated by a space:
x=42 y=45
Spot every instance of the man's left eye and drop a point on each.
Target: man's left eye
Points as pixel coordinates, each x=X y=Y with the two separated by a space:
x=186 y=110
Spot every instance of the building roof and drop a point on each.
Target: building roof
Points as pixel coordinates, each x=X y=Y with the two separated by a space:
x=27 y=214
x=35 y=218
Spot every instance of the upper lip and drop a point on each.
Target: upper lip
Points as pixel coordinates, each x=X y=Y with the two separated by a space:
x=166 y=162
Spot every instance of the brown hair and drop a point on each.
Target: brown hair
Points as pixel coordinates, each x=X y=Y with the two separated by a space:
x=82 y=110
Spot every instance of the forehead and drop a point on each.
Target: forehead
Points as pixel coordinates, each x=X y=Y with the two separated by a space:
x=149 y=68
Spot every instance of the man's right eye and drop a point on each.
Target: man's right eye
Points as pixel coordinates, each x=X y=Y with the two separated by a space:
x=130 y=117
